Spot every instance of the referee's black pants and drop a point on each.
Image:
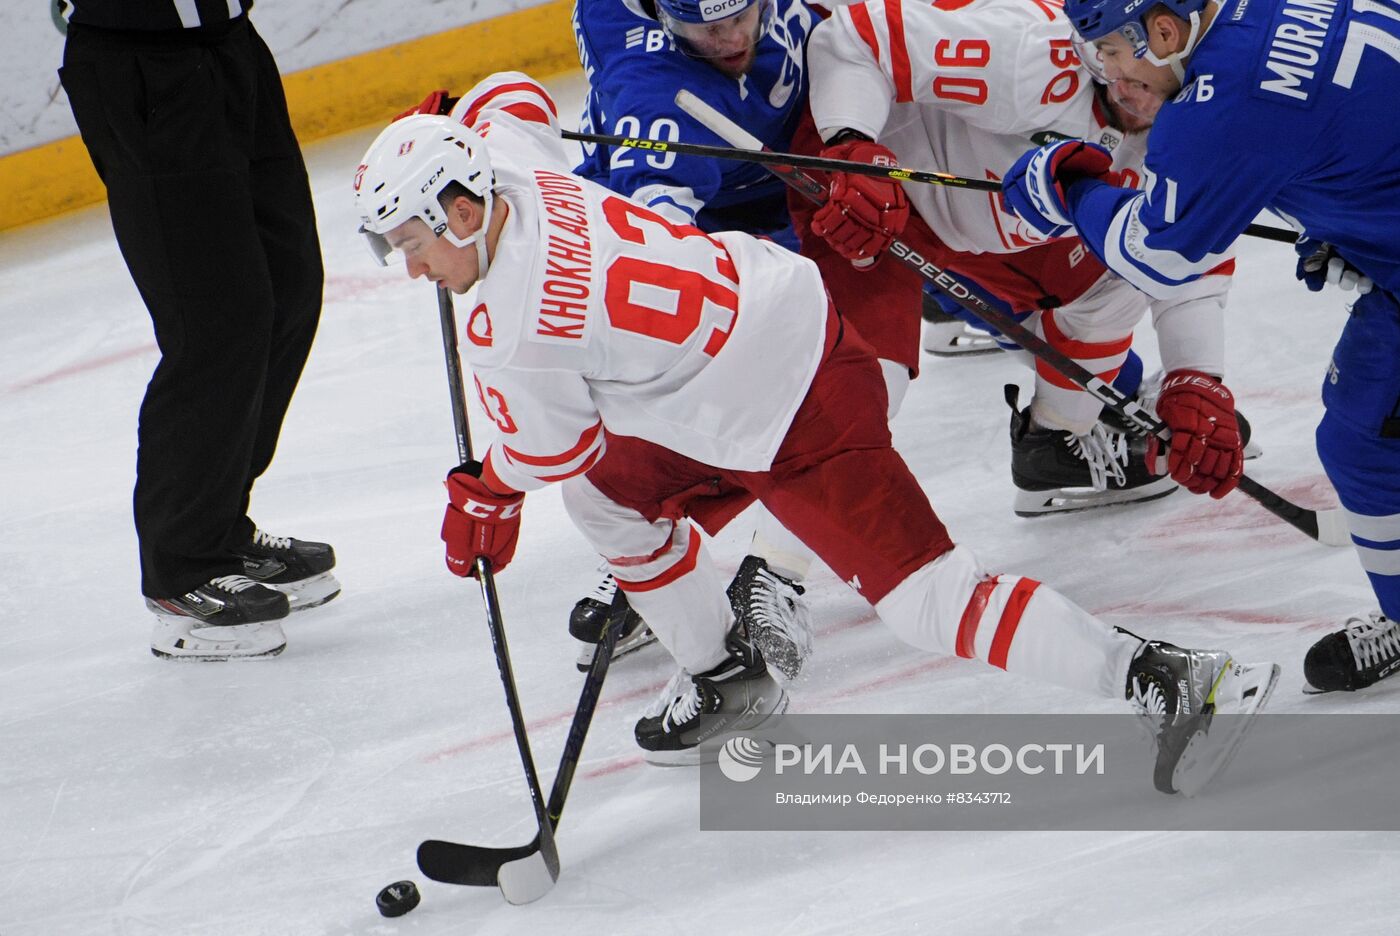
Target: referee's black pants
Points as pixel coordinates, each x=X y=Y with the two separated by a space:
x=212 y=211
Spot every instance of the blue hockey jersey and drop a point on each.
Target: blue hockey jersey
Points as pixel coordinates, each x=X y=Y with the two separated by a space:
x=1287 y=105
x=634 y=73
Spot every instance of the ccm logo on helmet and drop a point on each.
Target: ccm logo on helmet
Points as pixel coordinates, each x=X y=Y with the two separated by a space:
x=431 y=179
x=718 y=9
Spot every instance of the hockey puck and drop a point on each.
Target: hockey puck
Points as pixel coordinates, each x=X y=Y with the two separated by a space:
x=397 y=899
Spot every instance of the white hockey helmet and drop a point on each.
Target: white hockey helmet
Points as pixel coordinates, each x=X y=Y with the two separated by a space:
x=404 y=171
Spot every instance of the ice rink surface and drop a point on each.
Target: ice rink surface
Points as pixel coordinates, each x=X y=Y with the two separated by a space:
x=140 y=797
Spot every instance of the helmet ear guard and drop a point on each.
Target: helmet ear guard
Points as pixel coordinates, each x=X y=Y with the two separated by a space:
x=405 y=171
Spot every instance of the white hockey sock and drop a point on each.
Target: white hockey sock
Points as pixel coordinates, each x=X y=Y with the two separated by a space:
x=681 y=596
x=1059 y=404
x=785 y=553
x=952 y=606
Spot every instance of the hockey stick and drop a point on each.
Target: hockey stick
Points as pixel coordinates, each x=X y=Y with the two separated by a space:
x=531 y=877
x=482 y=866
x=1325 y=526
x=771 y=159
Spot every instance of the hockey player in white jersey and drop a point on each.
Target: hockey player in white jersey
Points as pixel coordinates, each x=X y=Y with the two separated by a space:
x=668 y=378
x=1301 y=96
x=745 y=57
x=960 y=88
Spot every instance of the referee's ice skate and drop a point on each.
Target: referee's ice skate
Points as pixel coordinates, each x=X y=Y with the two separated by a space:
x=299 y=569
x=230 y=617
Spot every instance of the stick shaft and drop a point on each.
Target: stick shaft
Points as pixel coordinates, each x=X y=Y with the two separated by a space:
x=770 y=158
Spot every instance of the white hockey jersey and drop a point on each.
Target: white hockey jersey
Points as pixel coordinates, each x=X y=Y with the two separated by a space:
x=960 y=86
x=966 y=87
x=596 y=311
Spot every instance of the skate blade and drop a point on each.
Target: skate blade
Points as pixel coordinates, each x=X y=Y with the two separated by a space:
x=695 y=756
x=235 y=642
x=309 y=593
x=215 y=657
x=1070 y=500
x=641 y=638
x=970 y=349
x=956 y=339
x=1207 y=755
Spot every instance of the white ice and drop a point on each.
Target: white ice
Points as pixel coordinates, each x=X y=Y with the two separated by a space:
x=139 y=796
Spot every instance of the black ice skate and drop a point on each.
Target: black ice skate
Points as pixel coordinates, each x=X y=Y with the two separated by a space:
x=299 y=569
x=737 y=695
x=1363 y=653
x=771 y=610
x=1180 y=692
x=589 y=616
x=228 y=617
x=1059 y=472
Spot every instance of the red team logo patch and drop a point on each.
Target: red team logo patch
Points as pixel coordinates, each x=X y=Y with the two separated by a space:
x=360 y=176
x=479 y=327
x=405 y=148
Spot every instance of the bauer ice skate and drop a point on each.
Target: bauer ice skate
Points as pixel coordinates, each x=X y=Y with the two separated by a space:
x=737 y=695
x=1182 y=694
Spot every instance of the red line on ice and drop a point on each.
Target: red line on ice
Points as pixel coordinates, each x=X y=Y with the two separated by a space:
x=82 y=367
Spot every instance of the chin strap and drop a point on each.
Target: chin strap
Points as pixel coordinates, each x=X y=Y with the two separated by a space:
x=1177 y=60
x=478 y=238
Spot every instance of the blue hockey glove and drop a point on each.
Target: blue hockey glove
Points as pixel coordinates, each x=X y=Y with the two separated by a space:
x=1320 y=265
x=1035 y=187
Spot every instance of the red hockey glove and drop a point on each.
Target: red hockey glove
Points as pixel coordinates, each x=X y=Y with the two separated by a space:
x=478 y=522
x=863 y=214
x=436 y=103
x=1207 y=455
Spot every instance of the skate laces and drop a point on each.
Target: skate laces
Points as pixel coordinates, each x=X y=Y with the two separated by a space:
x=232 y=583
x=668 y=693
x=1105 y=453
x=1373 y=641
x=604 y=591
x=683 y=708
x=268 y=541
x=773 y=604
x=1148 y=696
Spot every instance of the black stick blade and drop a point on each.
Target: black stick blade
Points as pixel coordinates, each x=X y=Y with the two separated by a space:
x=523 y=873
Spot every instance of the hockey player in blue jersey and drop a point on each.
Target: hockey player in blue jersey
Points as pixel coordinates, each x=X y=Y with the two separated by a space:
x=1300 y=93
x=743 y=56
x=746 y=58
